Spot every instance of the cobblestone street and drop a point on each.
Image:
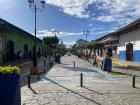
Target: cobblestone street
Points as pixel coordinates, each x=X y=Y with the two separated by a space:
x=61 y=86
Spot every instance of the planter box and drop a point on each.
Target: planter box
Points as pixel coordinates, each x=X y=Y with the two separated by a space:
x=10 y=90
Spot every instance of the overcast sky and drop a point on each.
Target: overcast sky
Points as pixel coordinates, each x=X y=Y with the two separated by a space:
x=72 y=17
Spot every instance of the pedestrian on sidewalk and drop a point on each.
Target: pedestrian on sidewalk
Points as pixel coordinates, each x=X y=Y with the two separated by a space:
x=95 y=60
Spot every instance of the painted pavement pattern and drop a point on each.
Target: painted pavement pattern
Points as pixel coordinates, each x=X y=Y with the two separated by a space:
x=61 y=86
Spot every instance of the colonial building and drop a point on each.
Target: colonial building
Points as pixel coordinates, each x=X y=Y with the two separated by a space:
x=111 y=43
x=126 y=41
x=15 y=41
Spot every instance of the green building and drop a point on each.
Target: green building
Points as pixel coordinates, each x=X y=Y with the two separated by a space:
x=15 y=42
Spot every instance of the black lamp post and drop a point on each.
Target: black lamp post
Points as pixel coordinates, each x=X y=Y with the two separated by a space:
x=86 y=33
x=55 y=33
x=34 y=8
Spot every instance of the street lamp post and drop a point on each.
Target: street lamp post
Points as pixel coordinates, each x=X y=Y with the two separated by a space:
x=34 y=8
x=55 y=33
x=61 y=45
x=86 y=33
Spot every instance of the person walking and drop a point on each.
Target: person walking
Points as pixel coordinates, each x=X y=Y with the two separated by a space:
x=94 y=60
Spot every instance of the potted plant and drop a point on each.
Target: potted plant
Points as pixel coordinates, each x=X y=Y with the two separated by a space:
x=10 y=86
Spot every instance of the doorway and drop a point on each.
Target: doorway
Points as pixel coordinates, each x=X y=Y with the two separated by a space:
x=10 y=50
x=129 y=52
x=25 y=51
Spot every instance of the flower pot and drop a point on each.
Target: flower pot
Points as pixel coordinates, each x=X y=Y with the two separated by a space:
x=10 y=90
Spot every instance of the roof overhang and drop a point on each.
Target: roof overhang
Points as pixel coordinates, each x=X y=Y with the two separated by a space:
x=129 y=28
x=109 y=39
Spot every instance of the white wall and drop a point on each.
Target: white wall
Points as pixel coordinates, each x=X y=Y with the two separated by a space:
x=133 y=37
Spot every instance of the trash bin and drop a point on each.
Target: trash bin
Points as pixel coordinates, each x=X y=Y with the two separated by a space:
x=107 y=64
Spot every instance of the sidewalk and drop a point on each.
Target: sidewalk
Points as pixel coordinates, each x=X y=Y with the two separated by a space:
x=124 y=64
x=61 y=86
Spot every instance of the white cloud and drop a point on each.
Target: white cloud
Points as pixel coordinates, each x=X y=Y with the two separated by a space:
x=106 y=18
x=90 y=25
x=118 y=10
x=69 y=43
x=6 y=4
x=101 y=32
x=75 y=8
x=46 y=32
x=5 y=7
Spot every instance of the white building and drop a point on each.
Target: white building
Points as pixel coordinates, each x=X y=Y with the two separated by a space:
x=125 y=42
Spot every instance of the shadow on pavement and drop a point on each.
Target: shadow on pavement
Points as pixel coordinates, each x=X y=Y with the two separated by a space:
x=65 y=64
x=92 y=90
x=34 y=78
x=137 y=87
x=33 y=90
x=80 y=69
x=73 y=91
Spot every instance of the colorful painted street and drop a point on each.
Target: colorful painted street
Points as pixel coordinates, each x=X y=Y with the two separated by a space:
x=61 y=85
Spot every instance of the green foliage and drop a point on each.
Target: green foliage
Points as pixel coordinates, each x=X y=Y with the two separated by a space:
x=74 y=46
x=9 y=70
x=98 y=45
x=94 y=45
x=50 y=41
x=90 y=46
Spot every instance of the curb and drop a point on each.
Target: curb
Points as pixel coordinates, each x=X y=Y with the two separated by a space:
x=23 y=64
x=124 y=65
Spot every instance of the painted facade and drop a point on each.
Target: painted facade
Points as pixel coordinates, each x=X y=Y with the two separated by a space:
x=111 y=46
x=14 y=41
x=126 y=42
x=129 y=46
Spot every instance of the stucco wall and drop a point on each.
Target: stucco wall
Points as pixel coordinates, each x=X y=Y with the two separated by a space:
x=130 y=37
x=19 y=38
